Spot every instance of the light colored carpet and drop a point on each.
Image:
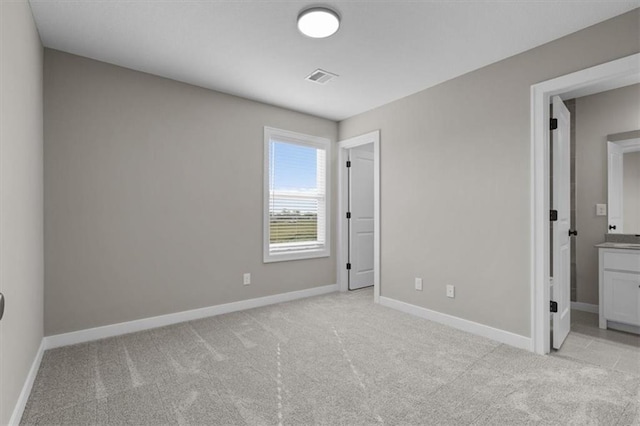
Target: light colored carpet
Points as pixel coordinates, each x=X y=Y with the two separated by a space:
x=335 y=359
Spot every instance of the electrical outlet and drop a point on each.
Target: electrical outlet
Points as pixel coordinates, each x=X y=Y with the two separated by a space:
x=451 y=291
x=418 y=283
x=246 y=279
x=601 y=209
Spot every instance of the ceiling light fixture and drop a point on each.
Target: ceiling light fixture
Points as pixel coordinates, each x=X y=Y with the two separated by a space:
x=318 y=22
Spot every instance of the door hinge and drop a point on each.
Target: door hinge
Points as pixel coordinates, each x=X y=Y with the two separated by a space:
x=348 y=266
x=348 y=215
x=553 y=124
x=553 y=216
x=348 y=163
x=553 y=306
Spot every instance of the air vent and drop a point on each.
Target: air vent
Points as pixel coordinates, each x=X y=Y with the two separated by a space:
x=320 y=76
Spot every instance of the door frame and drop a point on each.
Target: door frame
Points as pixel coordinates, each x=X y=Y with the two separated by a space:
x=343 y=202
x=587 y=81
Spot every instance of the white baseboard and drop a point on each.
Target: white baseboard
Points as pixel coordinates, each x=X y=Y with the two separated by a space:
x=18 y=410
x=97 y=333
x=585 y=307
x=501 y=336
x=628 y=328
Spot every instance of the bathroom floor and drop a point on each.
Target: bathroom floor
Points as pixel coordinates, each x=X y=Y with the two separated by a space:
x=611 y=349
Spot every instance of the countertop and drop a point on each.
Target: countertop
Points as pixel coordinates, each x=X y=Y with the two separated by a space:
x=620 y=246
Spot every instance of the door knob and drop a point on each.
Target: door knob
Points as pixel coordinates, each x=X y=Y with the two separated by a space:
x=574 y=232
x=612 y=227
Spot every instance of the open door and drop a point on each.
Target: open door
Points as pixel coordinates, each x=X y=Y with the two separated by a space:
x=361 y=218
x=562 y=227
x=615 y=170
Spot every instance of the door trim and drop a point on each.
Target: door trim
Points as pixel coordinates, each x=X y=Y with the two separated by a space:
x=343 y=245
x=600 y=76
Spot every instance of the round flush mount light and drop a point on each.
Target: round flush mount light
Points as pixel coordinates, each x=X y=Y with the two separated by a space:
x=318 y=22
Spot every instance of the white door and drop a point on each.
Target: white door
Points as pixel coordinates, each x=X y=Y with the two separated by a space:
x=615 y=167
x=361 y=221
x=561 y=237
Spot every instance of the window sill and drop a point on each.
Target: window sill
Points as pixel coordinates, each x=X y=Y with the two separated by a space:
x=295 y=255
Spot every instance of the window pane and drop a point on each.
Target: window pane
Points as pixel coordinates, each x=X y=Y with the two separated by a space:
x=296 y=221
x=293 y=167
x=296 y=195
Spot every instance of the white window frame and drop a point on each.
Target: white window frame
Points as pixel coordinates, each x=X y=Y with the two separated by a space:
x=291 y=252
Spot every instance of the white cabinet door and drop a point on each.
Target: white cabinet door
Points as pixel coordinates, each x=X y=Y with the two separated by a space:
x=622 y=297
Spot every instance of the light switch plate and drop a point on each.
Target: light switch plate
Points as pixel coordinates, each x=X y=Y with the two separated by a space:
x=601 y=209
x=418 y=283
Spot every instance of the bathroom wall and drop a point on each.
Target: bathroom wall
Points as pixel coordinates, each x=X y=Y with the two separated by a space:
x=597 y=116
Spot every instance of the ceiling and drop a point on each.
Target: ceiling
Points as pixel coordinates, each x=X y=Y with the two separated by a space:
x=384 y=50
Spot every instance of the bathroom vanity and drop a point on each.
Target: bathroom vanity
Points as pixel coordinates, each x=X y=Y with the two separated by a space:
x=619 y=286
x=619 y=256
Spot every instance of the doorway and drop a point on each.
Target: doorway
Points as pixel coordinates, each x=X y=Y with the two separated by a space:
x=359 y=213
x=618 y=73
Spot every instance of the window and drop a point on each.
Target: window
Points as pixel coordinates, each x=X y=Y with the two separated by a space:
x=296 y=197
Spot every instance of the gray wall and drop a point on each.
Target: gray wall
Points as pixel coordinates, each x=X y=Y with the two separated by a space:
x=21 y=246
x=153 y=196
x=455 y=179
x=598 y=115
x=631 y=191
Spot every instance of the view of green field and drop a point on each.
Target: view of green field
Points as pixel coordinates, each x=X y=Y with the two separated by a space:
x=287 y=227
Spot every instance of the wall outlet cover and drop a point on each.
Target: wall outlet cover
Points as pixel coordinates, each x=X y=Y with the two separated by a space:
x=246 y=279
x=451 y=291
x=601 y=209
